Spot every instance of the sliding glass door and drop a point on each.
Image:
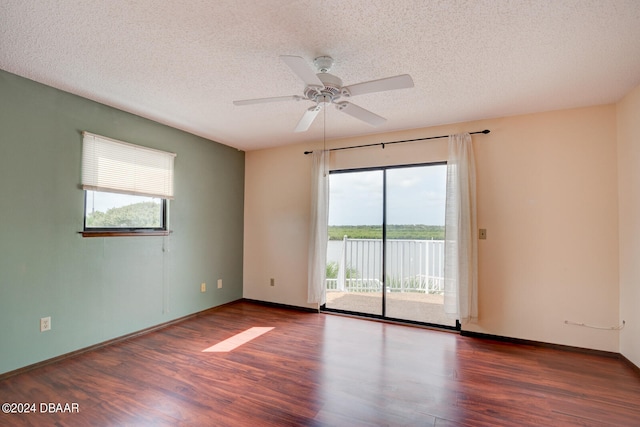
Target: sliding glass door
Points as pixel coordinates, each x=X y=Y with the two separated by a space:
x=386 y=248
x=354 y=252
x=414 y=244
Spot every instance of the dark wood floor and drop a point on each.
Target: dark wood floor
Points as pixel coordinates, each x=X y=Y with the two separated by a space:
x=325 y=370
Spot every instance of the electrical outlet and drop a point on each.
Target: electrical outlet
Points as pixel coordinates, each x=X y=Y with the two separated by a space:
x=203 y=287
x=219 y=283
x=273 y=282
x=45 y=324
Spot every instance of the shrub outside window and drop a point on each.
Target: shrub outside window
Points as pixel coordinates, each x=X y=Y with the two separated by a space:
x=105 y=211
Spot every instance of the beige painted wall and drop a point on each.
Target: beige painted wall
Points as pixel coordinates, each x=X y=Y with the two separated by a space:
x=628 y=115
x=547 y=194
x=276 y=223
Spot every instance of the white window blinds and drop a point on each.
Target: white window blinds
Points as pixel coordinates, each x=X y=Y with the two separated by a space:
x=120 y=167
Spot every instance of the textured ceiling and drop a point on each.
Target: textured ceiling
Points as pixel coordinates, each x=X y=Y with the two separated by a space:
x=183 y=63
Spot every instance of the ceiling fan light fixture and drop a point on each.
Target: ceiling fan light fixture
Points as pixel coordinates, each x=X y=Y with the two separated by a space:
x=324 y=99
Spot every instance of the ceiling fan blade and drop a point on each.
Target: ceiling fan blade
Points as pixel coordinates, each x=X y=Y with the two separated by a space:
x=300 y=67
x=402 y=81
x=308 y=118
x=266 y=100
x=360 y=113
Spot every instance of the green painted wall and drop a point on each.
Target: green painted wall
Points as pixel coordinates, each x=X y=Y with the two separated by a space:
x=96 y=289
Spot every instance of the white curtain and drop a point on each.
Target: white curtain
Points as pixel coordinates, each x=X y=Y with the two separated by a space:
x=318 y=235
x=461 y=245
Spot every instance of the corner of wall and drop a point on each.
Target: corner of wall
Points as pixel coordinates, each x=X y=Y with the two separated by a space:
x=628 y=145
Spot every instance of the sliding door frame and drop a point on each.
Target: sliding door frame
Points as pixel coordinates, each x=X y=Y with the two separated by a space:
x=383 y=316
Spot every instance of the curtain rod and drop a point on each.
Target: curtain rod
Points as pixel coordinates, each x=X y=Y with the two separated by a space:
x=486 y=131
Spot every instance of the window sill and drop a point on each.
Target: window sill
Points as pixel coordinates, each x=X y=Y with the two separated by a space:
x=123 y=233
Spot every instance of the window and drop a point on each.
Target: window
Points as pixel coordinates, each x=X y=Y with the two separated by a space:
x=123 y=212
x=127 y=187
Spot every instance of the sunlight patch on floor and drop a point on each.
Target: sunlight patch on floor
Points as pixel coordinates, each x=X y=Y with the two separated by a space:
x=237 y=340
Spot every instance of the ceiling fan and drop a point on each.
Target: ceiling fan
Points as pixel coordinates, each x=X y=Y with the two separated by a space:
x=323 y=89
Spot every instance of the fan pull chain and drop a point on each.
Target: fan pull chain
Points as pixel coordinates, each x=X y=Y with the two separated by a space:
x=324 y=140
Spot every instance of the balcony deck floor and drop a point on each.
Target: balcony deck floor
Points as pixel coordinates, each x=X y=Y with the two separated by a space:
x=414 y=306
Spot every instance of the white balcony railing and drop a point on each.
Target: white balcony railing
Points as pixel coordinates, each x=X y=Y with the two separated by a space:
x=412 y=265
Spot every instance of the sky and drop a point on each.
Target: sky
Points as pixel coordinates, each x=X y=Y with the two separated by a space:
x=415 y=195
x=101 y=201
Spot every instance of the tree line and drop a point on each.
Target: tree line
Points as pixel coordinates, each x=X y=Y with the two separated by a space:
x=397 y=231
